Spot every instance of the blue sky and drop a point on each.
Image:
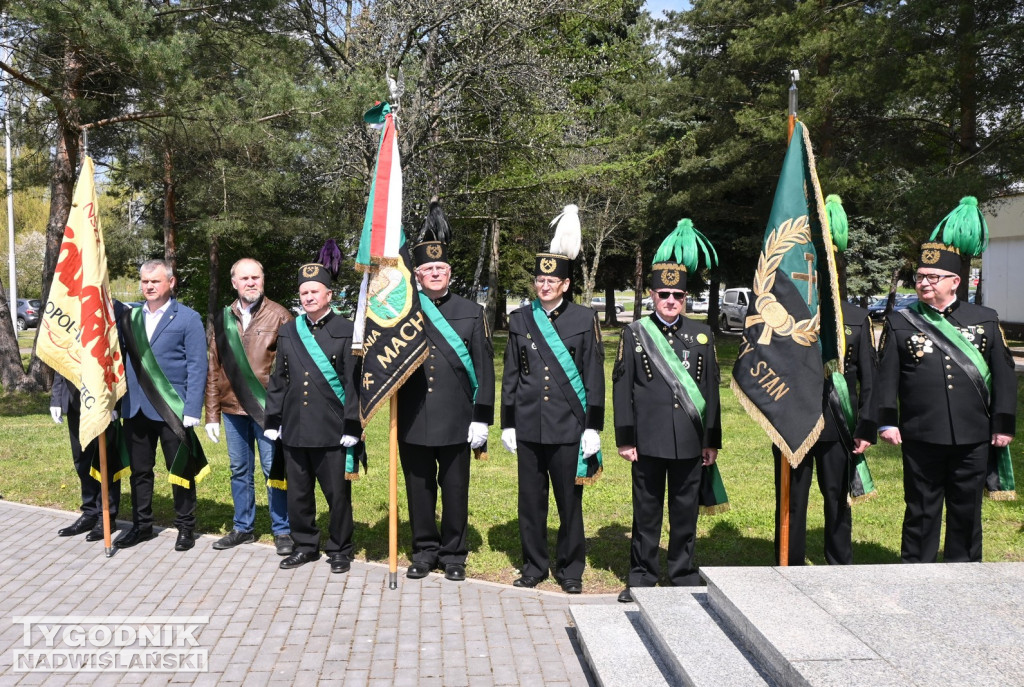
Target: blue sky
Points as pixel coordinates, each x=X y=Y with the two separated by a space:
x=656 y=7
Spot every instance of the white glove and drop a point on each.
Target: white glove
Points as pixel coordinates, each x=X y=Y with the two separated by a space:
x=591 y=442
x=272 y=434
x=508 y=438
x=477 y=434
x=55 y=413
x=190 y=421
x=213 y=431
x=348 y=441
x=114 y=416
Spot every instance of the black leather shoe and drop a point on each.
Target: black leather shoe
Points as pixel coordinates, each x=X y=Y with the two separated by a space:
x=233 y=539
x=136 y=535
x=456 y=572
x=528 y=581
x=80 y=526
x=284 y=544
x=185 y=541
x=418 y=571
x=625 y=596
x=339 y=563
x=96 y=533
x=571 y=586
x=299 y=558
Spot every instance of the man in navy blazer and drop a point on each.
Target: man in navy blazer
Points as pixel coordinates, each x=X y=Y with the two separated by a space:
x=178 y=341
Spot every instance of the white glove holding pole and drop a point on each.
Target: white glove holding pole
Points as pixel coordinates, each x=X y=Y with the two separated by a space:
x=190 y=421
x=508 y=439
x=591 y=442
x=213 y=431
x=272 y=434
x=348 y=441
x=477 y=434
x=56 y=414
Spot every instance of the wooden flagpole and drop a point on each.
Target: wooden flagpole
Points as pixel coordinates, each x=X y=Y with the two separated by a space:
x=104 y=494
x=393 y=495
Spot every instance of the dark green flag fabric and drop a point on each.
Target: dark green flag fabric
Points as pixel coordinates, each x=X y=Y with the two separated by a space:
x=793 y=331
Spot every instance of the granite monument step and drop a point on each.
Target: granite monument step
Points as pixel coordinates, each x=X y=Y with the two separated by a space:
x=616 y=648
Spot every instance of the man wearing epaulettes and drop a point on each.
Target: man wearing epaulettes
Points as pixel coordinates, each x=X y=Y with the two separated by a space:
x=850 y=428
x=312 y=407
x=947 y=393
x=444 y=409
x=667 y=416
x=552 y=410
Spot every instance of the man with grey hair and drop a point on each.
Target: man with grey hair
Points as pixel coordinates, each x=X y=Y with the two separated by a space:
x=242 y=352
x=165 y=346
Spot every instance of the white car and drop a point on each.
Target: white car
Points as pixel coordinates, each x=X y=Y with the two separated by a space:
x=598 y=304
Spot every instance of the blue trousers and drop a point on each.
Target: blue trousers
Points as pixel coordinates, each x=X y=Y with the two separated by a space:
x=241 y=432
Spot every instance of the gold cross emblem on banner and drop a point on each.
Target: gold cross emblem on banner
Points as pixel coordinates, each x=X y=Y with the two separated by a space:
x=811 y=278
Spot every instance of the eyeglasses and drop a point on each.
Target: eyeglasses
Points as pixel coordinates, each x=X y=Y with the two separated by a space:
x=433 y=268
x=547 y=281
x=666 y=295
x=932 y=279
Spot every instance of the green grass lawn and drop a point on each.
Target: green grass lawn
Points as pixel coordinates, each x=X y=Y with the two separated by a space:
x=37 y=470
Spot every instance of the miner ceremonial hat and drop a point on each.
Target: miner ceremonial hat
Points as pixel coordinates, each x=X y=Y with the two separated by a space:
x=565 y=246
x=679 y=254
x=433 y=245
x=314 y=271
x=963 y=232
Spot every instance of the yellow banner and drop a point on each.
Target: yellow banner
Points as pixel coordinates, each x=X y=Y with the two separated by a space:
x=78 y=334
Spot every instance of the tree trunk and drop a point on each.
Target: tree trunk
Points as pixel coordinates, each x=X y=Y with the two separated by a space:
x=170 y=250
x=495 y=309
x=12 y=373
x=214 y=287
x=638 y=282
x=713 y=309
x=481 y=258
x=611 y=318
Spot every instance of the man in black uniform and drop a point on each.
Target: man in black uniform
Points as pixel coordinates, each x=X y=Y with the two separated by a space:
x=311 y=403
x=849 y=430
x=947 y=393
x=552 y=410
x=65 y=401
x=444 y=409
x=667 y=419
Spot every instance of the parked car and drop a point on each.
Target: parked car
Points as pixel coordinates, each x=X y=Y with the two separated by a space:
x=647 y=304
x=598 y=304
x=697 y=304
x=877 y=309
x=734 y=308
x=28 y=313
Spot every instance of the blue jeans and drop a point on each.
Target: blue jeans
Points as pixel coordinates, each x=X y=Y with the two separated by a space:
x=241 y=431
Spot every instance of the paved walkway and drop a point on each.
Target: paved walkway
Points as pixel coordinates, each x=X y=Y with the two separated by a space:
x=265 y=625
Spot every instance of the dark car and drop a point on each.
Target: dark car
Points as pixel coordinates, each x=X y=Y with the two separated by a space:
x=28 y=313
x=903 y=300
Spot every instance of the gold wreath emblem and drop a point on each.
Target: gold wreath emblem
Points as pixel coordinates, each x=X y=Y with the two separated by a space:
x=773 y=314
x=310 y=270
x=930 y=256
x=670 y=277
x=547 y=265
x=434 y=251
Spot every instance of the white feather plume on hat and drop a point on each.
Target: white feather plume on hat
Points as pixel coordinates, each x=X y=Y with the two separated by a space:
x=568 y=235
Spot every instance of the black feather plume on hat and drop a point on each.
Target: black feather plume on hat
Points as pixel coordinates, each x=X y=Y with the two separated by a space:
x=435 y=226
x=330 y=257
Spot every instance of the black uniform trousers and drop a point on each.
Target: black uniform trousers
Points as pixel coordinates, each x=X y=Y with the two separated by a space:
x=833 y=465
x=425 y=468
x=92 y=496
x=536 y=463
x=141 y=433
x=649 y=478
x=304 y=467
x=933 y=473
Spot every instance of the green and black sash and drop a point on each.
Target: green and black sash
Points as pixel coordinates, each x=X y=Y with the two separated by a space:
x=713 y=498
x=551 y=348
x=329 y=383
x=118 y=457
x=190 y=461
x=951 y=341
x=862 y=486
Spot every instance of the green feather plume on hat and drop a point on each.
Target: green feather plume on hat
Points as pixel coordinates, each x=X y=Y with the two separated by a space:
x=684 y=246
x=838 y=224
x=964 y=228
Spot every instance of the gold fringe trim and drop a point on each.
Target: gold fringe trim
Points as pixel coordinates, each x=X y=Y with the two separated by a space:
x=1001 y=495
x=715 y=510
x=755 y=413
x=864 y=498
x=203 y=473
x=179 y=481
x=281 y=484
x=352 y=476
x=364 y=419
x=123 y=472
x=583 y=481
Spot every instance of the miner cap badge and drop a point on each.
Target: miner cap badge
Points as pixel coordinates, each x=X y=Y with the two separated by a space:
x=314 y=271
x=435 y=236
x=565 y=246
x=678 y=255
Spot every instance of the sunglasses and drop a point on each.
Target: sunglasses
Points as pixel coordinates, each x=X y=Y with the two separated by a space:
x=666 y=295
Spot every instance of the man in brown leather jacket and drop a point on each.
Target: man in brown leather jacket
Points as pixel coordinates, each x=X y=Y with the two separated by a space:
x=242 y=354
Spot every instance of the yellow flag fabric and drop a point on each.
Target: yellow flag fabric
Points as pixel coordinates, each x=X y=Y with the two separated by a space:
x=78 y=334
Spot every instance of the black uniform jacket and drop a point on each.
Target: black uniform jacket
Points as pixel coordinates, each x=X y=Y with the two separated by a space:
x=536 y=398
x=435 y=405
x=647 y=414
x=859 y=369
x=300 y=402
x=929 y=397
